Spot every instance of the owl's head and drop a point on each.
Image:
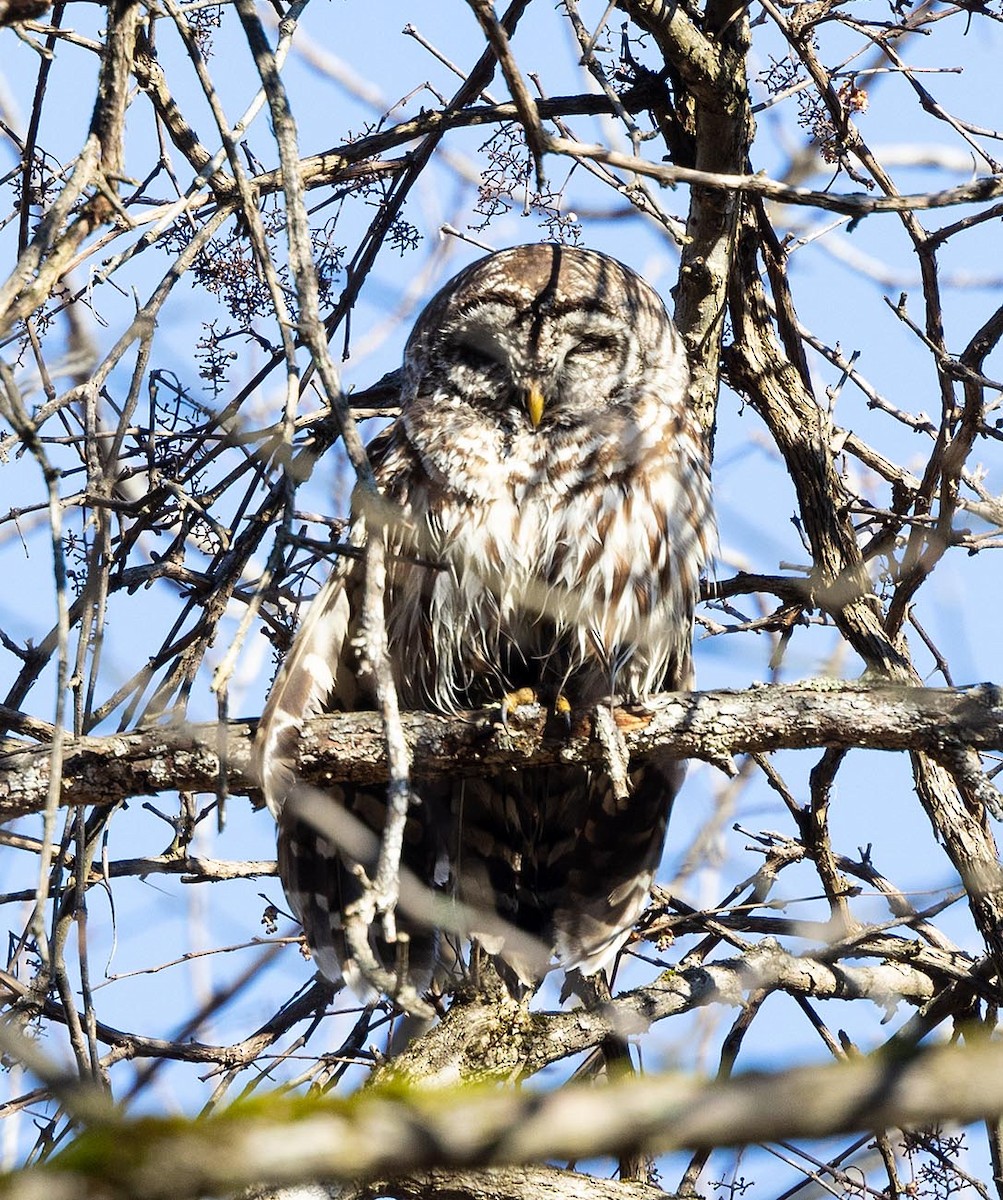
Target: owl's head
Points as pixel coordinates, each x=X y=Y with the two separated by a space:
x=542 y=337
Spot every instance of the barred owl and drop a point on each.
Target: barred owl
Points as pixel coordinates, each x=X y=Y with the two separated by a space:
x=551 y=489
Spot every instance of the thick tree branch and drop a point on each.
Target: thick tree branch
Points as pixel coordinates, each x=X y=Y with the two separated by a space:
x=499 y=1183
x=708 y=70
x=377 y=1133
x=488 y=1041
x=351 y=746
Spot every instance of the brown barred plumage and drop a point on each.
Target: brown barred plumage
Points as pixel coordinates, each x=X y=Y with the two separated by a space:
x=552 y=485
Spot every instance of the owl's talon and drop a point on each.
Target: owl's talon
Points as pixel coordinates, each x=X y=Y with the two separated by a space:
x=526 y=697
x=512 y=701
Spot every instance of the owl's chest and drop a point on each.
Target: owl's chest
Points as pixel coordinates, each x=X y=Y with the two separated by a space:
x=532 y=572
x=515 y=534
x=576 y=555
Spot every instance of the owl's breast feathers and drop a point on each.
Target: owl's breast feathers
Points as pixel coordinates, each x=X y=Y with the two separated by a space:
x=584 y=553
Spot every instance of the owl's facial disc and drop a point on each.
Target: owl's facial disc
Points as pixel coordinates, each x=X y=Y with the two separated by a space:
x=541 y=368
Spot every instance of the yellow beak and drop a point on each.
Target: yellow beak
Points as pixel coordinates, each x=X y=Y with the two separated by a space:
x=534 y=404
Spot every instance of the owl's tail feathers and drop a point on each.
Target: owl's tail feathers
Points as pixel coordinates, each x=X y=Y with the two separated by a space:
x=612 y=866
x=324 y=838
x=521 y=962
x=591 y=935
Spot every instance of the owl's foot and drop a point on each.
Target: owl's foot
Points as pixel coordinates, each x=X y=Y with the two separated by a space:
x=523 y=697
x=526 y=697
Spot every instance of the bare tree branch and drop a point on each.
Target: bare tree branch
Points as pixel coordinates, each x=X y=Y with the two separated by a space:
x=376 y=1134
x=351 y=746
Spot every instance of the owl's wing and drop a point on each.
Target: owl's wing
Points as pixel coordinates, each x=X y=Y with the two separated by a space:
x=318 y=674
x=325 y=836
x=609 y=868
x=320 y=872
x=311 y=681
